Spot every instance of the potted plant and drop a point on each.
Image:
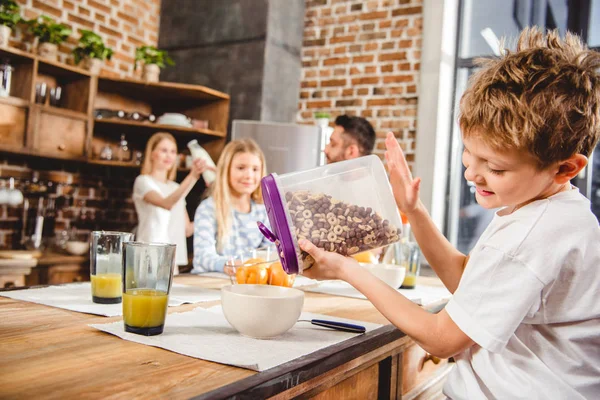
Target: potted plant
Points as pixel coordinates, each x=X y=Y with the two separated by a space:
x=9 y=17
x=322 y=118
x=49 y=34
x=92 y=51
x=154 y=59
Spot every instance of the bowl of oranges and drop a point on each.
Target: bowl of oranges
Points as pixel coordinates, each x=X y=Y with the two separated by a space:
x=258 y=267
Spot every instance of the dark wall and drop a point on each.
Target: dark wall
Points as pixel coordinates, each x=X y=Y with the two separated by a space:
x=248 y=49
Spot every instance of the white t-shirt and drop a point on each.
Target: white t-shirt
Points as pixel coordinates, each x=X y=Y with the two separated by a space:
x=530 y=299
x=156 y=224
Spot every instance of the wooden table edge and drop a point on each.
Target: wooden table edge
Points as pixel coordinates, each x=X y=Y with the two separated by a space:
x=285 y=376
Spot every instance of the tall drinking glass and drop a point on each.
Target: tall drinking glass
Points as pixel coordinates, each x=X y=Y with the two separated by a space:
x=148 y=273
x=405 y=254
x=106 y=265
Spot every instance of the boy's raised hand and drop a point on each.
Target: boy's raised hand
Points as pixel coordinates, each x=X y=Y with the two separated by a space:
x=328 y=265
x=405 y=188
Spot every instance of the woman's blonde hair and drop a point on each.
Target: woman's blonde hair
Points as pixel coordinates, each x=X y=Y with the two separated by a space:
x=152 y=143
x=221 y=190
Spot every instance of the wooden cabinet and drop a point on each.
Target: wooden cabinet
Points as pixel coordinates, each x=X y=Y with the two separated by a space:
x=69 y=130
x=54 y=269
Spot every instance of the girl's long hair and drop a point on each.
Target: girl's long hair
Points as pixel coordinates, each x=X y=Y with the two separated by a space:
x=152 y=143
x=221 y=190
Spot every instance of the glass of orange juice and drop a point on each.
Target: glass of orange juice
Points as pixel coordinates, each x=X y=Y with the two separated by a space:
x=106 y=265
x=147 y=282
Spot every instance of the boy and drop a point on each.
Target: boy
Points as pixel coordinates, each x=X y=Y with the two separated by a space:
x=524 y=319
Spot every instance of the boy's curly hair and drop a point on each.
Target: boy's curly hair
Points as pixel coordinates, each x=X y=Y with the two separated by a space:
x=544 y=98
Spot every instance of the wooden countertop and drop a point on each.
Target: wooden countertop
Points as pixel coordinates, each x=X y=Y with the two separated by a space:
x=52 y=353
x=58 y=258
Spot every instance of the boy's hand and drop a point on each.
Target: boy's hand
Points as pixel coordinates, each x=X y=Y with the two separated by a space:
x=405 y=188
x=328 y=265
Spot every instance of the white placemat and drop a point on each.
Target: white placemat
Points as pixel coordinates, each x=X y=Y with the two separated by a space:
x=422 y=295
x=206 y=334
x=78 y=297
x=300 y=280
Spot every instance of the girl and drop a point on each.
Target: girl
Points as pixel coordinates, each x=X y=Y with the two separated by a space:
x=225 y=223
x=160 y=201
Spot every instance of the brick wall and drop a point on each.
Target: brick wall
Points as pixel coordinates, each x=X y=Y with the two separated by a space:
x=85 y=199
x=362 y=58
x=123 y=24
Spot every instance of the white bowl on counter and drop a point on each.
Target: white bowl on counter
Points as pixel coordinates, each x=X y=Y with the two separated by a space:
x=391 y=274
x=261 y=311
x=77 y=248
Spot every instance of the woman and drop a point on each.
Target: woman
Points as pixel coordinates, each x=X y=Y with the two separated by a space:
x=225 y=223
x=159 y=200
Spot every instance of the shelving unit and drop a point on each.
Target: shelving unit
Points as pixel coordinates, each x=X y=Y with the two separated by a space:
x=70 y=131
x=153 y=127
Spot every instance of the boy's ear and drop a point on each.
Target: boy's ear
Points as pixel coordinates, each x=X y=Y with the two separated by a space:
x=569 y=168
x=352 y=151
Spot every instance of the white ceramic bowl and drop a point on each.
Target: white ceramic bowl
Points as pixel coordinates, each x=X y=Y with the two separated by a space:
x=261 y=311
x=77 y=248
x=391 y=274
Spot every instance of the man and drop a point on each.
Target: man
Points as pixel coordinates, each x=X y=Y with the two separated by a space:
x=352 y=137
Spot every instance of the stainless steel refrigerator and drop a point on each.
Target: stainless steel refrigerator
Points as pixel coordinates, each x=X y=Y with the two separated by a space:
x=287 y=147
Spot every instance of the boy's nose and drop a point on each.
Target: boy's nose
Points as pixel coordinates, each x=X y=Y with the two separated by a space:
x=471 y=175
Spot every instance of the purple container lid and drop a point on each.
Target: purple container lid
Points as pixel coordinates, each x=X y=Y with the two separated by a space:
x=280 y=234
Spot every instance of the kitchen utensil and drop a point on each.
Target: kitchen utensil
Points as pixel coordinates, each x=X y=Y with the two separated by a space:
x=407 y=255
x=138 y=156
x=391 y=274
x=14 y=197
x=175 y=119
x=340 y=326
x=347 y=207
x=41 y=92
x=147 y=282
x=6 y=71
x=261 y=311
x=55 y=96
x=106 y=153
x=77 y=248
x=100 y=113
x=252 y=265
x=123 y=152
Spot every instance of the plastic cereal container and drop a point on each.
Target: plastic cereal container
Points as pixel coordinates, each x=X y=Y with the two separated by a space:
x=347 y=207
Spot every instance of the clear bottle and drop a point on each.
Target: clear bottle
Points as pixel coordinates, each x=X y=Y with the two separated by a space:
x=199 y=152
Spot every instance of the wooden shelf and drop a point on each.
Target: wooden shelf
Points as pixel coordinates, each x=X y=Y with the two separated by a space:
x=63 y=112
x=124 y=164
x=36 y=153
x=14 y=101
x=160 y=90
x=5 y=51
x=70 y=132
x=159 y=127
x=60 y=69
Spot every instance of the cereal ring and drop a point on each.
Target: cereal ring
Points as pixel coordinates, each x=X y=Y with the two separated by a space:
x=331 y=236
x=306 y=213
x=338 y=229
x=307 y=223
